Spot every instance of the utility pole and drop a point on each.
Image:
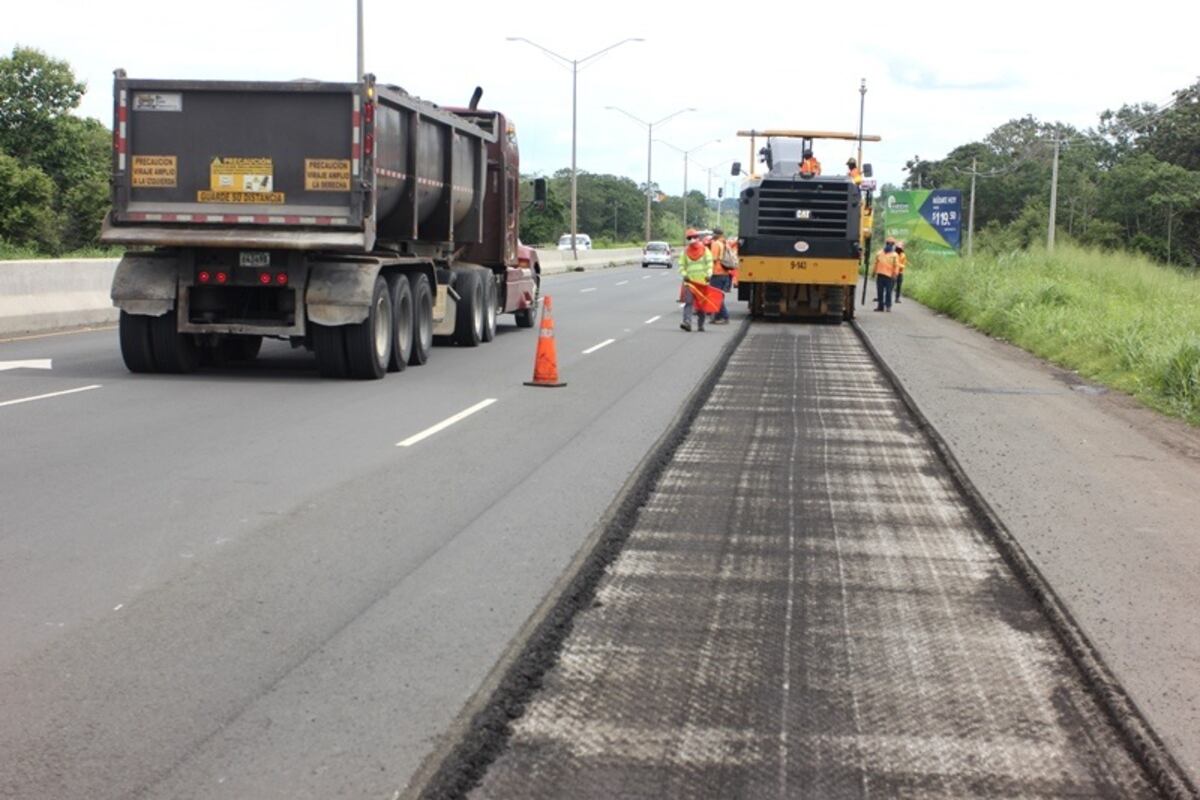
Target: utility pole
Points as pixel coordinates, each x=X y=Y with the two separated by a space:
x=971 y=215
x=862 y=104
x=975 y=173
x=1053 y=196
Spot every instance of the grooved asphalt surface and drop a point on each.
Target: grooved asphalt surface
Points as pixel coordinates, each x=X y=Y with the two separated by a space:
x=233 y=584
x=806 y=608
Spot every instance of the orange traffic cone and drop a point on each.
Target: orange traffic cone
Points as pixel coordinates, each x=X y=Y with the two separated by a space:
x=545 y=364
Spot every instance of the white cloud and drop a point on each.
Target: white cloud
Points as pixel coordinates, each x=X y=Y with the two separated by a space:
x=937 y=75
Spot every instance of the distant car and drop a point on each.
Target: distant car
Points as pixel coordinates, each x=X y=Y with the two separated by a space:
x=657 y=254
x=583 y=242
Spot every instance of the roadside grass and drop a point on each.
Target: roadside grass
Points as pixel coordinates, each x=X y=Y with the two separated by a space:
x=1116 y=318
x=10 y=252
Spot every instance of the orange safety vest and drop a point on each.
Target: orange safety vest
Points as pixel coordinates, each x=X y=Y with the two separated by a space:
x=811 y=165
x=902 y=260
x=886 y=264
x=717 y=247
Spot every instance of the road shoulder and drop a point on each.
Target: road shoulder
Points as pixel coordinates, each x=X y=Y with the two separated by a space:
x=1101 y=493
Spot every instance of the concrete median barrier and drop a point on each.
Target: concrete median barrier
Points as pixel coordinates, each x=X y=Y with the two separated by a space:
x=48 y=295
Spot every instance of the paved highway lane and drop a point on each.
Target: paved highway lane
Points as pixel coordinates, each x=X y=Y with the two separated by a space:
x=235 y=584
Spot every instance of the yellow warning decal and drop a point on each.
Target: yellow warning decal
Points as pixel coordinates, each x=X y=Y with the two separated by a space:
x=252 y=175
x=155 y=172
x=240 y=197
x=326 y=175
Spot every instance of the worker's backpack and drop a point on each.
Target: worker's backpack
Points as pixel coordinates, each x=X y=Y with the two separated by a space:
x=729 y=259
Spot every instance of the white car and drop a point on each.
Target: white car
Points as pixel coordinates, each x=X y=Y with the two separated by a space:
x=583 y=242
x=656 y=254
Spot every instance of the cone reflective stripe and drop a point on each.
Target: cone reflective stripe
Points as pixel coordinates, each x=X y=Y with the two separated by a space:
x=545 y=363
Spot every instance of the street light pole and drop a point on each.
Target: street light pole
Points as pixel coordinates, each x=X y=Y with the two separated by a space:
x=686 y=153
x=361 y=70
x=575 y=64
x=649 y=149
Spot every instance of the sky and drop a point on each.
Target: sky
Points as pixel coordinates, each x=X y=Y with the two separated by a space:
x=938 y=73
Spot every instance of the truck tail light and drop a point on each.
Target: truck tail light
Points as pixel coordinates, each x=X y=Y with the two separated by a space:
x=281 y=278
x=205 y=276
x=369 y=113
x=222 y=277
x=369 y=143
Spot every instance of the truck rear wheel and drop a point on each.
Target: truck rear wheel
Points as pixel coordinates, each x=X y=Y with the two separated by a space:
x=402 y=322
x=489 y=306
x=369 y=343
x=136 y=349
x=422 y=339
x=330 y=347
x=173 y=351
x=468 y=320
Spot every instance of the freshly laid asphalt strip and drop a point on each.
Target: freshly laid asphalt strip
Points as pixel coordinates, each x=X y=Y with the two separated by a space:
x=806 y=606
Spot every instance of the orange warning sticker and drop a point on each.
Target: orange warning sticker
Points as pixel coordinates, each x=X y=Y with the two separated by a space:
x=326 y=175
x=154 y=172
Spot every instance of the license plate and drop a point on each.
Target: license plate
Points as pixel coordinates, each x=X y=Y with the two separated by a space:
x=254 y=258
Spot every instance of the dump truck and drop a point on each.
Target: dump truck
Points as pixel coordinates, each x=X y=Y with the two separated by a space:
x=353 y=219
x=799 y=233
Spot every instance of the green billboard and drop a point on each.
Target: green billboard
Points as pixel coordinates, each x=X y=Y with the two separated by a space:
x=932 y=217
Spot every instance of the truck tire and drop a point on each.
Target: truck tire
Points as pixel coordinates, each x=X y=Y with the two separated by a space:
x=136 y=349
x=330 y=347
x=468 y=319
x=527 y=316
x=369 y=343
x=174 y=352
x=489 y=305
x=402 y=322
x=422 y=339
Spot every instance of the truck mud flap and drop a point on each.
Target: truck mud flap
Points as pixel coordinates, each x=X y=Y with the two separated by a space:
x=145 y=284
x=339 y=292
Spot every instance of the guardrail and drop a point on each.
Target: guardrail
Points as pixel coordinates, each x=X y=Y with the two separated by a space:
x=47 y=295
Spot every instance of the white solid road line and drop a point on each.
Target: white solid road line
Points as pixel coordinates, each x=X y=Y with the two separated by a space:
x=622 y=283
x=605 y=343
x=52 y=394
x=37 y=363
x=654 y=319
x=446 y=423
x=588 y=290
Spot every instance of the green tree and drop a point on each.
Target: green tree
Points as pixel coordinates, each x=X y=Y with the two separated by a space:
x=35 y=90
x=37 y=94
x=27 y=215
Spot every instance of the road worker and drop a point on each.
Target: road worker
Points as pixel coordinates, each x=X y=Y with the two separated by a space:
x=854 y=172
x=901 y=263
x=885 y=268
x=810 y=165
x=722 y=277
x=695 y=267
